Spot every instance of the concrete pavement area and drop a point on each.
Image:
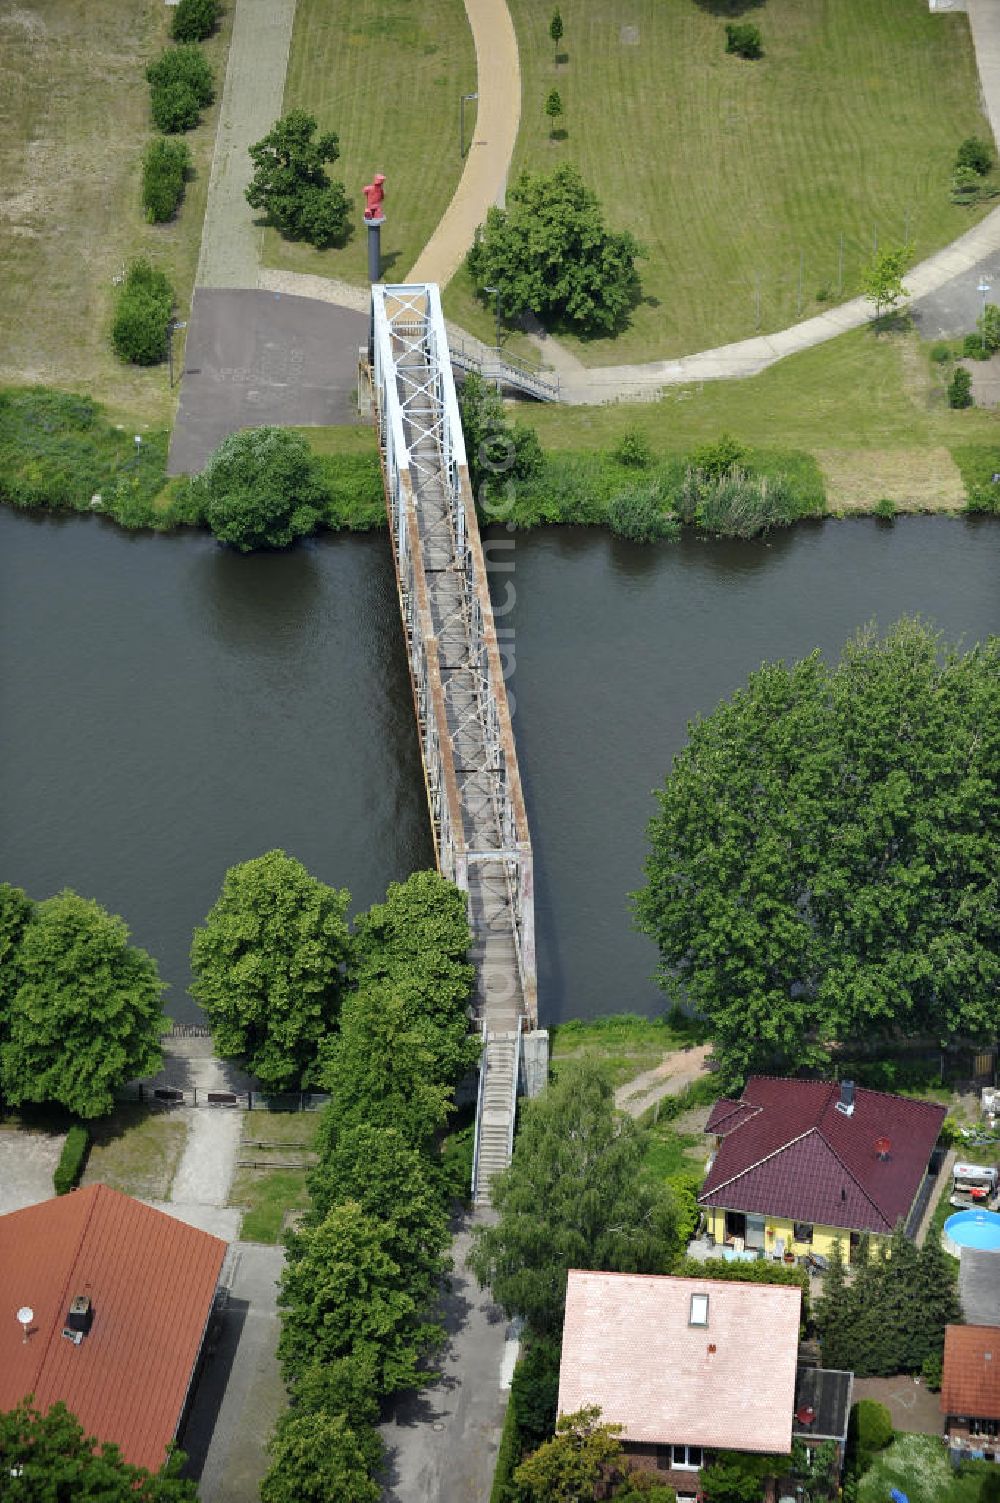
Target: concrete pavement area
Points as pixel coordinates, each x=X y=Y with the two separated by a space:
x=255 y=358
x=251 y=102
x=441 y=1444
x=27 y=1162
x=240 y=1393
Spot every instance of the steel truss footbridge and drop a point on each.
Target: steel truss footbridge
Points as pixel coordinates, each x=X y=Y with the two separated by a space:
x=478 y=819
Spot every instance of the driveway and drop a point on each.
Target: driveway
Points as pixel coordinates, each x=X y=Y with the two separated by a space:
x=256 y=358
x=441 y=1444
x=240 y=1393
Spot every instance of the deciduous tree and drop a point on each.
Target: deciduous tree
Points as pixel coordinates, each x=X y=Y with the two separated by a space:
x=261 y=489
x=269 y=967
x=550 y=251
x=316 y=1457
x=882 y=278
x=86 y=1015
x=820 y=865
x=291 y=185
x=573 y=1197
x=556 y=31
x=346 y=1296
x=576 y=1464
x=45 y=1457
x=16 y=909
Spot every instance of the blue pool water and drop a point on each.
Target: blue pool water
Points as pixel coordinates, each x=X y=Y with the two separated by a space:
x=974 y=1229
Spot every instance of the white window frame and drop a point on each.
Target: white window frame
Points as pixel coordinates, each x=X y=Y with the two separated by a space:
x=686 y=1465
x=698 y=1311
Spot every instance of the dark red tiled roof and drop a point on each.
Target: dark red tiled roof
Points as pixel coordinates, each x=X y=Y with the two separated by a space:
x=970 y=1380
x=727 y=1115
x=795 y=1155
x=151 y=1281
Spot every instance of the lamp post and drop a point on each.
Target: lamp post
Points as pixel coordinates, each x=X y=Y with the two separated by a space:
x=463 y=101
x=496 y=293
x=983 y=288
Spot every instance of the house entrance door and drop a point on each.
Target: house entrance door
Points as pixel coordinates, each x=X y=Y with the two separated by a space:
x=736 y=1225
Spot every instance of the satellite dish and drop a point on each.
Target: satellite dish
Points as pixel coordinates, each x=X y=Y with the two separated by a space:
x=25 y=1316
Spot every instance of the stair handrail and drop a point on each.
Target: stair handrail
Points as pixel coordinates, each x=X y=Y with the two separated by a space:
x=483 y=1066
x=513 y=1088
x=524 y=370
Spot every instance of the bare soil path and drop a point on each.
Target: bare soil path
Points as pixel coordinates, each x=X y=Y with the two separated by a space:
x=677 y=1070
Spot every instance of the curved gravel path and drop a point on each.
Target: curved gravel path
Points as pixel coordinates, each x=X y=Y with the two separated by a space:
x=484 y=180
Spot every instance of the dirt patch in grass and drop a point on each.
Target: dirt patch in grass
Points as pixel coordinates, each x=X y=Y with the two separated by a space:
x=626 y=1044
x=136 y=1150
x=924 y=479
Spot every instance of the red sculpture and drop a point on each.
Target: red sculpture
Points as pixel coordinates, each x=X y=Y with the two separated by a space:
x=374 y=196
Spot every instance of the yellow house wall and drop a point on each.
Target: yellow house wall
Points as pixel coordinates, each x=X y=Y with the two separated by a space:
x=822 y=1242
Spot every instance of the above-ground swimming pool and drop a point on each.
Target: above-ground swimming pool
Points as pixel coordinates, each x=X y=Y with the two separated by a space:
x=972 y=1229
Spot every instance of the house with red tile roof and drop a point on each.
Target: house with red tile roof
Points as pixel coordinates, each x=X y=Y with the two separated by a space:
x=116 y=1299
x=970 y=1391
x=687 y=1366
x=802 y=1164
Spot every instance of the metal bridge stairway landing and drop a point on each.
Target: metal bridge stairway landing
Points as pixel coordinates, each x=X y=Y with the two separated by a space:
x=473 y=783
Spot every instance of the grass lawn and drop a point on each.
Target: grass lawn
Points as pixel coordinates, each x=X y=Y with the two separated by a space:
x=625 y=1043
x=731 y=171
x=268 y=1194
x=918 y=1466
x=386 y=75
x=74 y=111
x=671 y=1151
x=871 y=410
x=136 y=1150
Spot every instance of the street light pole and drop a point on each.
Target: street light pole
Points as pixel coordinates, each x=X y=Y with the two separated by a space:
x=984 y=288
x=496 y=293
x=463 y=101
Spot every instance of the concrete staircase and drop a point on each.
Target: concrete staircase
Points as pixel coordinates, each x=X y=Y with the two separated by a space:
x=495 y=1124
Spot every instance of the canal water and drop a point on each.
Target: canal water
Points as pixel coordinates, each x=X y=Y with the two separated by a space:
x=168 y=708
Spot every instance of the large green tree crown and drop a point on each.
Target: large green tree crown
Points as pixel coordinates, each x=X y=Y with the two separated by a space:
x=823 y=865
x=85 y=1015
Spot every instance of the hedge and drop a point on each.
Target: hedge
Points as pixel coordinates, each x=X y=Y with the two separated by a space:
x=180 y=87
x=508 y=1459
x=71 y=1160
x=143 y=307
x=194 y=20
x=761 y=1272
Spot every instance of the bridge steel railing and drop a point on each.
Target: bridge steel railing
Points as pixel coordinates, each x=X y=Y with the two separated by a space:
x=407 y=319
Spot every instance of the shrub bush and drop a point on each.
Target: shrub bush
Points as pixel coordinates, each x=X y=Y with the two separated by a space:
x=633 y=450
x=165 y=167
x=975 y=153
x=940 y=353
x=869 y=1431
x=142 y=315
x=744 y=39
x=508 y=1458
x=974 y=347
x=262 y=489
x=638 y=515
x=71 y=1160
x=885 y=508
x=715 y=460
x=194 y=20
x=960 y=388
x=181 y=86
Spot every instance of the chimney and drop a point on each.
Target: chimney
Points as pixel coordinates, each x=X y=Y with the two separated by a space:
x=81 y=1315
x=883 y=1148
x=846 y=1103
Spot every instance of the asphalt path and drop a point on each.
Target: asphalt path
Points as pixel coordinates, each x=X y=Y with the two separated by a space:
x=257 y=358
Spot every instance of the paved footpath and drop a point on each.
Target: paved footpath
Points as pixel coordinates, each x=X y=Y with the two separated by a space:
x=484 y=180
x=251 y=102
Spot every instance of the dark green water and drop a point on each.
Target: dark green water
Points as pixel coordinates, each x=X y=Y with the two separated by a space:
x=167 y=708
